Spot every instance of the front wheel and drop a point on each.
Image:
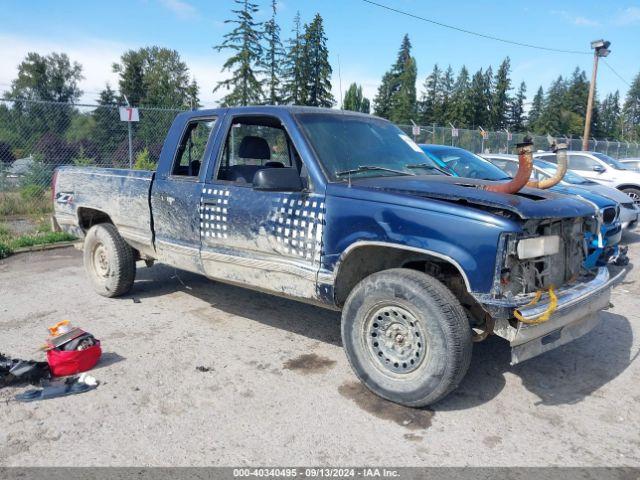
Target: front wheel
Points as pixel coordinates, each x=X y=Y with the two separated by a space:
x=634 y=193
x=406 y=336
x=109 y=261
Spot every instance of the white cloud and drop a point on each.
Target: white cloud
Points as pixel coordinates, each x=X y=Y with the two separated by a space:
x=628 y=16
x=96 y=57
x=182 y=9
x=577 y=20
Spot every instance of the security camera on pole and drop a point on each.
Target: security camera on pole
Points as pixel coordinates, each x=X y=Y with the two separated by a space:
x=601 y=49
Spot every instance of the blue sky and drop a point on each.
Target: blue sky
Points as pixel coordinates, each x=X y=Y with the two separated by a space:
x=365 y=37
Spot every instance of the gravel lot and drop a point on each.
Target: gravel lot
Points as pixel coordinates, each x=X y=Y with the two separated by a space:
x=277 y=389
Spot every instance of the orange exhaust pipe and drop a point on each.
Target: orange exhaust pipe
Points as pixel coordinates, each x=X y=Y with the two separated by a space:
x=525 y=166
x=561 y=159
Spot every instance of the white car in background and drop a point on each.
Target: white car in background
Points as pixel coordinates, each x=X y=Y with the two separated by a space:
x=631 y=163
x=543 y=169
x=603 y=169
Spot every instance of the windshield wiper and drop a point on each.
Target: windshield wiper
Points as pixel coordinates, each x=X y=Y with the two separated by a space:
x=369 y=168
x=427 y=166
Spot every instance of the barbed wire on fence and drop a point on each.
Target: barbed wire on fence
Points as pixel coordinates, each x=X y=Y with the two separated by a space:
x=38 y=136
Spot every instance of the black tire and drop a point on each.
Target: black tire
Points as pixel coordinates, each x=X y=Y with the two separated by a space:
x=109 y=261
x=634 y=193
x=406 y=303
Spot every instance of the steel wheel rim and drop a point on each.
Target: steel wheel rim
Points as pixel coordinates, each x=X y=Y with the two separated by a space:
x=635 y=197
x=100 y=260
x=395 y=339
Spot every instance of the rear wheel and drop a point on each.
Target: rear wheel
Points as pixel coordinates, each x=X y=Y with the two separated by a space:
x=109 y=261
x=634 y=193
x=406 y=336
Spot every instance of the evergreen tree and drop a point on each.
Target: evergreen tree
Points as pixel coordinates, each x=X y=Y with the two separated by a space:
x=461 y=112
x=577 y=93
x=294 y=88
x=631 y=111
x=318 y=70
x=537 y=105
x=245 y=63
x=403 y=100
x=274 y=54
x=431 y=102
x=479 y=103
x=516 y=110
x=396 y=98
x=131 y=75
x=445 y=114
x=355 y=101
x=500 y=97
x=552 y=120
x=382 y=100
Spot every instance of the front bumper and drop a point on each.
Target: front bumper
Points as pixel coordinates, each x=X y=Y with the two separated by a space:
x=575 y=315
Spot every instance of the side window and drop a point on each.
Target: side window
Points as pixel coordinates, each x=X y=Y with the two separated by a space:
x=193 y=143
x=550 y=157
x=252 y=144
x=580 y=162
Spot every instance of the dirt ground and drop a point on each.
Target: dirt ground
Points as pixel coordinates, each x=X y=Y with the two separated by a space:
x=200 y=373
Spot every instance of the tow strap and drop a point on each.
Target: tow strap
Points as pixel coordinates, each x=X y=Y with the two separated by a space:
x=543 y=317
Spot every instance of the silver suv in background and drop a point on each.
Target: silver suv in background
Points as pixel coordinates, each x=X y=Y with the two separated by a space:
x=631 y=163
x=543 y=169
x=603 y=169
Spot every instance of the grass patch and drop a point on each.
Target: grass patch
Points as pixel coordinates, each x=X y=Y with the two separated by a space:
x=10 y=242
x=22 y=203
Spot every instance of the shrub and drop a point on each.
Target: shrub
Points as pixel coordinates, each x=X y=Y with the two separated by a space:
x=82 y=159
x=144 y=162
x=32 y=191
x=6 y=154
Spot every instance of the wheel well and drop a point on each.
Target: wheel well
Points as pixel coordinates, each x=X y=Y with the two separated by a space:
x=622 y=187
x=366 y=260
x=88 y=217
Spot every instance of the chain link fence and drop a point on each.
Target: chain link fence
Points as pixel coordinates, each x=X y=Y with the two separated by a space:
x=36 y=137
x=504 y=142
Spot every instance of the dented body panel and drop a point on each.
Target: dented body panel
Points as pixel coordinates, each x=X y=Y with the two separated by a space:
x=302 y=244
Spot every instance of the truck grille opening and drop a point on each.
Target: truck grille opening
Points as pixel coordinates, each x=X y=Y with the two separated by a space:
x=609 y=215
x=530 y=275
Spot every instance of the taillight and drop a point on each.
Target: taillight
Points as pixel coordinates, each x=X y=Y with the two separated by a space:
x=54 y=178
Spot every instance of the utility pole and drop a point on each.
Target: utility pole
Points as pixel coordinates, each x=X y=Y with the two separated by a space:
x=600 y=49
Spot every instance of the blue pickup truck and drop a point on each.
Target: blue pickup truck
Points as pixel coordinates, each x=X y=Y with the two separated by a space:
x=328 y=207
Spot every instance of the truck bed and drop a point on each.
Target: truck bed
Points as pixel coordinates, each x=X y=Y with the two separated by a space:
x=122 y=194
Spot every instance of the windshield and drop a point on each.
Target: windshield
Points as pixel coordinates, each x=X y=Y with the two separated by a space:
x=610 y=161
x=350 y=146
x=569 y=176
x=465 y=164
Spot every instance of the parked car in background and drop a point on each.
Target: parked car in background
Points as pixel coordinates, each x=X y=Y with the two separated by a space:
x=602 y=169
x=631 y=163
x=542 y=169
x=462 y=163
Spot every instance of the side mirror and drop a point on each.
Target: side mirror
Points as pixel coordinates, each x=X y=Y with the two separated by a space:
x=598 y=169
x=278 y=180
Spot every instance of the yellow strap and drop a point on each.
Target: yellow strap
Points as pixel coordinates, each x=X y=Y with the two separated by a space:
x=553 y=304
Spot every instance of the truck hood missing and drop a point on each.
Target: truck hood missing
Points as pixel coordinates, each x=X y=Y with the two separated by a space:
x=528 y=203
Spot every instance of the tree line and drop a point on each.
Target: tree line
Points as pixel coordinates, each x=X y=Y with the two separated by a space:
x=491 y=101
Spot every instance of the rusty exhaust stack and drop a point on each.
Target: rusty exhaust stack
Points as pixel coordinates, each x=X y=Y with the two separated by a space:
x=561 y=157
x=525 y=166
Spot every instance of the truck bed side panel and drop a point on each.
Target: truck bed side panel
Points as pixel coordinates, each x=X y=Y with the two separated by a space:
x=121 y=194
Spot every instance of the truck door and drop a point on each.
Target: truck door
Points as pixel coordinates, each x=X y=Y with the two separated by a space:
x=175 y=200
x=270 y=240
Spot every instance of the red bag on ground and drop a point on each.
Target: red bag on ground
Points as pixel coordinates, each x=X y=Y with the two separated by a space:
x=62 y=362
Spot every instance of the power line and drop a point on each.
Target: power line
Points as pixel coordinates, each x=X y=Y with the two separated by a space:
x=469 y=32
x=616 y=73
